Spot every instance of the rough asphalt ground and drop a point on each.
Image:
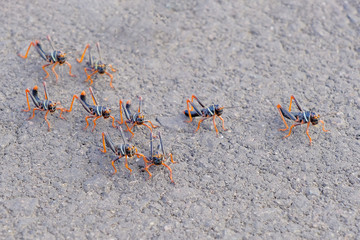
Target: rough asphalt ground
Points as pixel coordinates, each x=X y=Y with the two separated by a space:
x=250 y=183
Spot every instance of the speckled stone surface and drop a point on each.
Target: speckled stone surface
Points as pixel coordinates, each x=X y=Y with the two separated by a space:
x=247 y=184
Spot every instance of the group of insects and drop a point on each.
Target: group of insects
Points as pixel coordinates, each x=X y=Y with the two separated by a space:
x=133 y=119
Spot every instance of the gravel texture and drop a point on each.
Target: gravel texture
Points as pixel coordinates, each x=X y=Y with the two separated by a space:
x=247 y=184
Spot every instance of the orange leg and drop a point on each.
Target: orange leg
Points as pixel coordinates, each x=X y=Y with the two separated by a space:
x=287 y=127
x=121 y=117
x=147 y=170
x=113 y=164
x=223 y=123
x=45 y=92
x=126 y=164
x=43 y=67
x=323 y=126
x=48 y=123
x=189 y=108
x=89 y=77
x=111 y=79
x=169 y=171
x=27 y=52
x=135 y=124
x=103 y=140
x=193 y=97
x=72 y=75
x=171 y=158
x=62 y=110
x=27 y=91
x=294 y=125
x=143 y=157
x=291 y=99
x=72 y=102
x=53 y=69
x=217 y=131
x=33 y=115
x=86 y=119
x=129 y=129
x=201 y=120
x=82 y=56
x=92 y=96
x=112 y=69
x=96 y=118
x=307 y=131
x=113 y=121
x=152 y=125
x=147 y=126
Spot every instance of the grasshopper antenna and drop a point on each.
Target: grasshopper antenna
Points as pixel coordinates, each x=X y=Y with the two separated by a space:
x=232 y=107
x=51 y=42
x=98 y=48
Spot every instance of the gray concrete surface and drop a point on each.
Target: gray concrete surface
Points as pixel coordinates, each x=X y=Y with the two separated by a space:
x=248 y=184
